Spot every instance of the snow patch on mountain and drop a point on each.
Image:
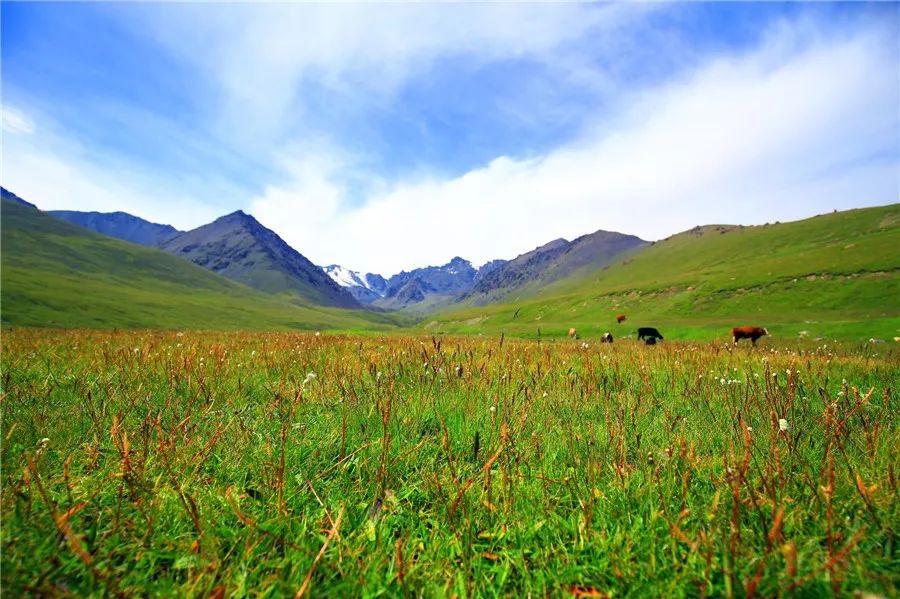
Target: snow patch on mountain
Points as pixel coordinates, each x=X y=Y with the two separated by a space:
x=345 y=277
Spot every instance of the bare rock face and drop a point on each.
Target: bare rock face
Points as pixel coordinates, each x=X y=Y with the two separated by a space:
x=238 y=247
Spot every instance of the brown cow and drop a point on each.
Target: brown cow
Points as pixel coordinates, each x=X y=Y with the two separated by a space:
x=751 y=333
x=573 y=333
x=620 y=318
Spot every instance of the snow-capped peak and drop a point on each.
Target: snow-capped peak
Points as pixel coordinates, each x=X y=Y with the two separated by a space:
x=352 y=278
x=344 y=276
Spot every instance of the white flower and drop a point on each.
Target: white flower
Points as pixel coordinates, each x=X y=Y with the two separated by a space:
x=782 y=424
x=493 y=409
x=309 y=376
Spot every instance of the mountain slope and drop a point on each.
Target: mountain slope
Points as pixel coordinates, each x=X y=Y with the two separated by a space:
x=58 y=274
x=832 y=275
x=550 y=262
x=238 y=247
x=120 y=225
x=8 y=195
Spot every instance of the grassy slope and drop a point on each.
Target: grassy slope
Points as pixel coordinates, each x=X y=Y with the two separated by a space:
x=834 y=275
x=58 y=274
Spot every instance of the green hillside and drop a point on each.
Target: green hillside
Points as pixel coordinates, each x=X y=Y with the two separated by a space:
x=831 y=276
x=61 y=275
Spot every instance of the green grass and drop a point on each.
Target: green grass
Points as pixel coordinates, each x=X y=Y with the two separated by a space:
x=832 y=276
x=212 y=464
x=60 y=275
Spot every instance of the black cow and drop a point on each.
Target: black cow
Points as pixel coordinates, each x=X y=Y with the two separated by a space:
x=606 y=338
x=648 y=332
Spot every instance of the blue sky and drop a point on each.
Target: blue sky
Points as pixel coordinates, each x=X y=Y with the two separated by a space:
x=390 y=136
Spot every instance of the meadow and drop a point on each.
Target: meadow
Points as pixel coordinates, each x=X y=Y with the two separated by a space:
x=278 y=464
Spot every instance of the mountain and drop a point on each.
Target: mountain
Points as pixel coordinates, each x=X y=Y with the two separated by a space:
x=10 y=196
x=238 y=247
x=366 y=288
x=487 y=268
x=437 y=284
x=835 y=275
x=550 y=262
x=58 y=274
x=431 y=286
x=120 y=225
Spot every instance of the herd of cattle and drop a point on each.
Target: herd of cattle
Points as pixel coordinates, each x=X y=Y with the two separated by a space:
x=651 y=335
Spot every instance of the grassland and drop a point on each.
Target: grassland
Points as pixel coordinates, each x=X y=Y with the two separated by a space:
x=239 y=464
x=55 y=274
x=835 y=276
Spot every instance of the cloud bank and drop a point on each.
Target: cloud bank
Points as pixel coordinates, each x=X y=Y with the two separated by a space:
x=781 y=133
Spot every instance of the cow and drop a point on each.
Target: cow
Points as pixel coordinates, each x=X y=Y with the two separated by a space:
x=606 y=338
x=650 y=340
x=648 y=332
x=620 y=318
x=573 y=334
x=751 y=333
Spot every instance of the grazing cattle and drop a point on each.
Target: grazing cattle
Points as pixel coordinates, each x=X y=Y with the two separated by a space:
x=606 y=338
x=620 y=318
x=573 y=334
x=751 y=333
x=648 y=332
x=650 y=340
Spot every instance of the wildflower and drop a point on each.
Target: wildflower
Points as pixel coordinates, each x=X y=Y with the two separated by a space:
x=309 y=377
x=782 y=424
x=749 y=429
x=493 y=409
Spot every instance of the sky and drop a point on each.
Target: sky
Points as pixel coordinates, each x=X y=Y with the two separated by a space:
x=391 y=136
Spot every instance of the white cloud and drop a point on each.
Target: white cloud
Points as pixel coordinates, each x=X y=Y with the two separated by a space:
x=15 y=121
x=263 y=57
x=57 y=174
x=782 y=133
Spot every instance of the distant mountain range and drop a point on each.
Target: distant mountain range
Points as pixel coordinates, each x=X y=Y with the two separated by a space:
x=836 y=274
x=434 y=284
x=458 y=281
x=238 y=247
